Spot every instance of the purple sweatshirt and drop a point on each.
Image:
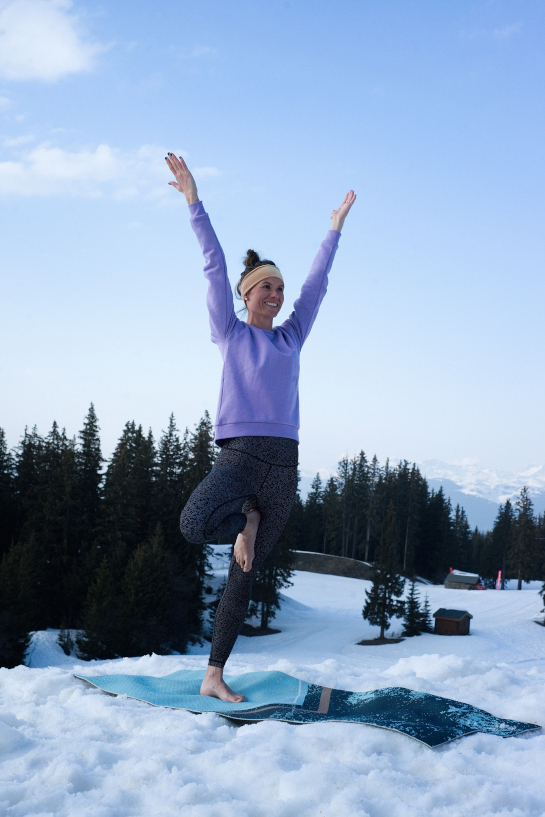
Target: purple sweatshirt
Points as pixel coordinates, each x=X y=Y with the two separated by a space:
x=259 y=393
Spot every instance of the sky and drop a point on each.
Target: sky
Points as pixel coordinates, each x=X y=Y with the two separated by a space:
x=429 y=344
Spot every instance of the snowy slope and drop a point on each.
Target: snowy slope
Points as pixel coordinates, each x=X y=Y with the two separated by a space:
x=71 y=750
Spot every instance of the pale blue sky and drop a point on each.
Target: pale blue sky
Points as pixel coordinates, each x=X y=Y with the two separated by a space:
x=430 y=341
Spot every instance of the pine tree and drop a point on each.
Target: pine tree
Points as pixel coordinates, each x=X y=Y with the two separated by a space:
x=312 y=523
x=14 y=639
x=332 y=515
x=103 y=633
x=522 y=556
x=413 y=616
x=462 y=555
x=46 y=505
x=498 y=544
x=128 y=507
x=201 y=454
x=8 y=508
x=89 y=461
x=81 y=556
x=437 y=543
x=147 y=603
x=373 y=477
x=426 y=624
x=383 y=597
x=28 y=461
x=18 y=581
x=171 y=475
x=59 y=536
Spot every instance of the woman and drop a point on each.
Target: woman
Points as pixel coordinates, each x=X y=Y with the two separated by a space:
x=252 y=486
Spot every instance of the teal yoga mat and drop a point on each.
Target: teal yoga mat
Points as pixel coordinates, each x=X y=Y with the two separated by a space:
x=430 y=719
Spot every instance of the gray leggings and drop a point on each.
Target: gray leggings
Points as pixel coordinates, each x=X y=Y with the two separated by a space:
x=250 y=472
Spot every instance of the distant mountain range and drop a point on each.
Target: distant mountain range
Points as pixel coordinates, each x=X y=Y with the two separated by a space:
x=478 y=490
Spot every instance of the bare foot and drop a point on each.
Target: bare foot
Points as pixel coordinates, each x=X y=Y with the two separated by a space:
x=214 y=686
x=244 y=546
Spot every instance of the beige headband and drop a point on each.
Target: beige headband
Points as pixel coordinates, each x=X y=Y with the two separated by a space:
x=259 y=274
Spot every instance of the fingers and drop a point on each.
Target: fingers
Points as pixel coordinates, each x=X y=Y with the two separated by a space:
x=177 y=166
x=349 y=200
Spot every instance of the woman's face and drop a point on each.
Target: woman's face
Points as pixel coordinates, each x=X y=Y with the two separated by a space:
x=266 y=298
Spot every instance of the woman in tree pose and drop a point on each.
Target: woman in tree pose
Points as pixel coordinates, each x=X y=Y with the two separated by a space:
x=252 y=486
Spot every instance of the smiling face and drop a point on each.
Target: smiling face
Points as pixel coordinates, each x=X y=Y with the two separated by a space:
x=265 y=299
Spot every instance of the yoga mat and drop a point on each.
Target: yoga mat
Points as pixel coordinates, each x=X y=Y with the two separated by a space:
x=430 y=719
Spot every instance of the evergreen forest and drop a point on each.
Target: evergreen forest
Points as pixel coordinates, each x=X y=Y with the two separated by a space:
x=93 y=546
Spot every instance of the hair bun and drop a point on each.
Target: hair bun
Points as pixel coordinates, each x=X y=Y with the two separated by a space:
x=252 y=259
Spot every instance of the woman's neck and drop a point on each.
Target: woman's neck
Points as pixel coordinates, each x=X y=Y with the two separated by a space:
x=260 y=321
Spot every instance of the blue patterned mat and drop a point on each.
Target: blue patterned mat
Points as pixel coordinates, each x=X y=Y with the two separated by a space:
x=276 y=696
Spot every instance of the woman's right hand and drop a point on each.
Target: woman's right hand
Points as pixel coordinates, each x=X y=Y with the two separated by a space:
x=185 y=182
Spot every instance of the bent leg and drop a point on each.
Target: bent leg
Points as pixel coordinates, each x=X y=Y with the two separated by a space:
x=274 y=500
x=214 y=509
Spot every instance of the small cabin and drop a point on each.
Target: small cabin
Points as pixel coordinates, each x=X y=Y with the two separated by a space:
x=451 y=622
x=457 y=580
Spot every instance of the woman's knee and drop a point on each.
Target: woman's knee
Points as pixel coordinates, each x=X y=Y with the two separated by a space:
x=191 y=527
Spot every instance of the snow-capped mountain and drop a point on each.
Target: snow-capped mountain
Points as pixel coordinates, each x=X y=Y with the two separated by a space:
x=487 y=483
x=480 y=490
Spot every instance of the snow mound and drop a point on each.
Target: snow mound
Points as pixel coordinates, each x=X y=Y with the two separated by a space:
x=71 y=750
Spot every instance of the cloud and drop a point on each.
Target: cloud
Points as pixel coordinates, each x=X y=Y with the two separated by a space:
x=39 y=39
x=10 y=142
x=4 y=103
x=105 y=171
x=508 y=31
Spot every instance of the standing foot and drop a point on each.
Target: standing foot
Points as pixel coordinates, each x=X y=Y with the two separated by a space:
x=245 y=544
x=214 y=686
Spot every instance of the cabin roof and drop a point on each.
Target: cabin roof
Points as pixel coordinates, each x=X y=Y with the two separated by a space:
x=455 y=615
x=462 y=578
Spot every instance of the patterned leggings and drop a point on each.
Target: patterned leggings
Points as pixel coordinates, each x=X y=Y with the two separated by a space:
x=250 y=472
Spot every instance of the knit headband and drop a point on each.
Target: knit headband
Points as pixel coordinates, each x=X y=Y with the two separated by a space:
x=259 y=274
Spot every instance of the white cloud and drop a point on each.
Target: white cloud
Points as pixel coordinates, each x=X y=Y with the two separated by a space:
x=39 y=39
x=4 y=103
x=508 y=31
x=105 y=171
x=11 y=142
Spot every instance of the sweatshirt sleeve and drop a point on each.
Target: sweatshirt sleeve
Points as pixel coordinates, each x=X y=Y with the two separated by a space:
x=219 y=299
x=314 y=289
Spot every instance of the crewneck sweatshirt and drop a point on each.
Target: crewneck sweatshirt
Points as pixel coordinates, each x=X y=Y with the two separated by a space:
x=259 y=394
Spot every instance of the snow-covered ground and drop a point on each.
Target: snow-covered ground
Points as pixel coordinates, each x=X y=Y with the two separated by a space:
x=68 y=749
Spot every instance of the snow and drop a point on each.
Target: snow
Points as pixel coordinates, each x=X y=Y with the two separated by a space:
x=68 y=749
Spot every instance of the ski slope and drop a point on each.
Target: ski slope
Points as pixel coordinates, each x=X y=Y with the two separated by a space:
x=71 y=750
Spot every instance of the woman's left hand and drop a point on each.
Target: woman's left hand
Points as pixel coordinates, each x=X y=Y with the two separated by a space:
x=338 y=216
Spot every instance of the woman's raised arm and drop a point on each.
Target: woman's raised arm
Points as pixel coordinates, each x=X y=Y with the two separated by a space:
x=312 y=294
x=220 y=298
x=185 y=182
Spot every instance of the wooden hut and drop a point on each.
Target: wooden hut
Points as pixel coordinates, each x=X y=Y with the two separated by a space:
x=451 y=622
x=457 y=580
